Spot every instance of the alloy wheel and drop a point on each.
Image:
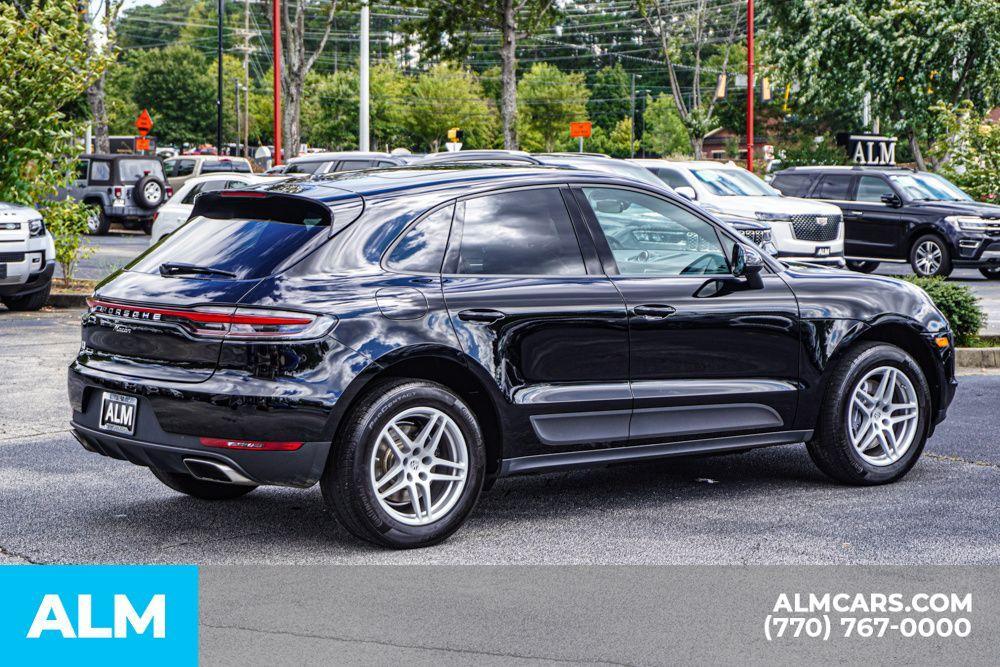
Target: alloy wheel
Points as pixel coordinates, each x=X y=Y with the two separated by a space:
x=93 y=222
x=883 y=415
x=153 y=192
x=419 y=466
x=928 y=258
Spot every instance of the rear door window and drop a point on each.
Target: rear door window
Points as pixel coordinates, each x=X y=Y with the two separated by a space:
x=525 y=232
x=833 y=186
x=183 y=168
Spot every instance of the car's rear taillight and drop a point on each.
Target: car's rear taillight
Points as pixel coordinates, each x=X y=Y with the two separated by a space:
x=170 y=192
x=119 y=192
x=252 y=445
x=224 y=322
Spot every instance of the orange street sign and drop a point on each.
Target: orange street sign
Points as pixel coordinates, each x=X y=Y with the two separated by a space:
x=579 y=129
x=141 y=144
x=144 y=123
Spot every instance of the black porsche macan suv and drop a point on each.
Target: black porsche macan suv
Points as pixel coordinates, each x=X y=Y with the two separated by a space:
x=892 y=214
x=406 y=336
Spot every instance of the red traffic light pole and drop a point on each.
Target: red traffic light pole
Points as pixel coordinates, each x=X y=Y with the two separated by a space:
x=276 y=44
x=750 y=85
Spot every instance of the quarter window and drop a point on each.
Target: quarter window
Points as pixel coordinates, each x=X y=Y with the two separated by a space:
x=649 y=236
x=100 y=171
x=833 y=186
x=353 y=165
x=526 y=232
x=871 y=188
x=421 y=248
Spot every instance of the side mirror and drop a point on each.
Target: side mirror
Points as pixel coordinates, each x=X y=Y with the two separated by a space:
x=687 y=192
x=892 y=200
x=746 y=262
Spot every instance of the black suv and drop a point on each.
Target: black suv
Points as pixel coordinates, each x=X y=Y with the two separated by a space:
x=406 y=336
x=900 y=215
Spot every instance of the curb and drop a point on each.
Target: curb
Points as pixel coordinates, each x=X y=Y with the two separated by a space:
x=67 y=300
x=977 y=357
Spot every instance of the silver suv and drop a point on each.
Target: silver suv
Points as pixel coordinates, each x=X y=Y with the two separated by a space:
x=27 y=258
x=123 y=188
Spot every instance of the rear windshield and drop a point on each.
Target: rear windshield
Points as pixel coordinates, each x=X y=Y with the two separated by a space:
x=225 y=165
x=247 y=248
x=130 y=171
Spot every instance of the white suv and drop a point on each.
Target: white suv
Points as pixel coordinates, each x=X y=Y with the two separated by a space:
x=802 y=229
x=27 y=258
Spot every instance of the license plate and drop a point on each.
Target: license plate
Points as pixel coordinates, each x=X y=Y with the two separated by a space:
x=822 y=252
x=118 y=413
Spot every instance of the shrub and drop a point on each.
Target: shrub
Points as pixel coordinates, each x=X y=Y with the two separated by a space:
x=957 y=303
x=67 y=221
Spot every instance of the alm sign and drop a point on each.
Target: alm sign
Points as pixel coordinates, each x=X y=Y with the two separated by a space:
x=869 y=149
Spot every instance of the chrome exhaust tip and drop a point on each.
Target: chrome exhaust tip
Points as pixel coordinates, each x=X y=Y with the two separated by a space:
x=213 y=471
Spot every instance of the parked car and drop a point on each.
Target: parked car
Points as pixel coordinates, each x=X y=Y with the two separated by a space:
x=406 y=336
x=901 y=215
x=758 y=233
x=178 y=208
x=324 y=163
x=27 y=258
x=124 y=189
x=183 y=167
x=601 y=163
x=496 y=157
x=803 y=230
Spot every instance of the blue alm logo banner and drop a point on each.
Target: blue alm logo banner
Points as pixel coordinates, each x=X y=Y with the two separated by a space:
x=99 y=614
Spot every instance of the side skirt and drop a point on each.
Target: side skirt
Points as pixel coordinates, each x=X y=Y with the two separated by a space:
x=596 y=457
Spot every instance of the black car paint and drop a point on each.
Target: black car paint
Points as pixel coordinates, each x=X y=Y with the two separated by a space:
x=546 y=395
x=877 y=230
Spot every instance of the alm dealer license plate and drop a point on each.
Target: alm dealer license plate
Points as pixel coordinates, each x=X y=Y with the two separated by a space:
x=118 y=413
x=823 y=251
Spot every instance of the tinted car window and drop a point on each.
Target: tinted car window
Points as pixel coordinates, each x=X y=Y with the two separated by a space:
x=184 y=168
x=793 y=185
x=421 y=248
x=652 y=237
x=304 y=167
x=100 y=171
x=353 y=165
x=871 y=188
x=671 y=178
x=833 y=186
x=130 y=171
x=527 y=232
x=224 y=165
x=208 y=186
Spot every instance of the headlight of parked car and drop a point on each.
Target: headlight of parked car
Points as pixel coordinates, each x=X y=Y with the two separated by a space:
x=36 y=227
x=971 y=223
x=773 y=217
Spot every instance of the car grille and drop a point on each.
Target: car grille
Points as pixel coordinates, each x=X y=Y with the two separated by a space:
x=755 y=235
x=11 y=257
x=806 y=227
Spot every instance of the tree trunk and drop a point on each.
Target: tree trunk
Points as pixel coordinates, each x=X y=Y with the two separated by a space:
x=292 y=110
x=95 y=99
x=696 y=146
x=918 y=157
x=508 y=77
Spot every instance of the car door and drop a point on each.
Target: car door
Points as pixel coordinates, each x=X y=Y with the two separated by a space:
x=531 y=305
x=872 y=227
x=710 y=353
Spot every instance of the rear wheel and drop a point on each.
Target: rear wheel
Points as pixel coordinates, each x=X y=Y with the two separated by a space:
x=990 y=272
x=98 y=223
x=875 y=415
x=861 y=266
x=199 y=488
x=33 y=301
x=930 y=257
x=409 y=466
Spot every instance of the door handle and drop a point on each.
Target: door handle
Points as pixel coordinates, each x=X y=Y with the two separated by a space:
x=480 y=315
x=654 y=310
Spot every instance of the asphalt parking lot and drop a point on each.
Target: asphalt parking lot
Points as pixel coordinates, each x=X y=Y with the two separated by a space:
x=60 y=503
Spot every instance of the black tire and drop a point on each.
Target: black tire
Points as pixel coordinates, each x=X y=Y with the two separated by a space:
x=861 y=266
x=943 y=266
x=99 y=223
x=147 y=227
x=201 y=489
x=33 y=301
x=346 y=484
x=830 y=447
x=144 y=189
x=990 y=272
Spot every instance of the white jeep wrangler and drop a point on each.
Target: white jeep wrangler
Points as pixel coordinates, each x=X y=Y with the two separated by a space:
x=27 y=258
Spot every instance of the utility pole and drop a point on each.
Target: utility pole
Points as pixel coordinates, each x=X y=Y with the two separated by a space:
x=246 y=79
x=276 y=47
x=631 y=129
x=363 y=132
x=239 y=117
x=218 y=99
x=750 y=85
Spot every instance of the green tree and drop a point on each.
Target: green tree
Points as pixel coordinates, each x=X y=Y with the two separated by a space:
x=664 y=132
x=330 y=111
x=443 y=97
x=968 y=151
x=614 y=143
x=610 y=97
x=905 y=55
x=175 y=86
x=549 y=100
x=45 y=68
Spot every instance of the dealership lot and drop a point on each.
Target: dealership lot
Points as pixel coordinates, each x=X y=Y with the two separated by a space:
x=62 y=504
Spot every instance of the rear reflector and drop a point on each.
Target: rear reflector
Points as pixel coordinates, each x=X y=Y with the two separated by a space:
x=253 y=445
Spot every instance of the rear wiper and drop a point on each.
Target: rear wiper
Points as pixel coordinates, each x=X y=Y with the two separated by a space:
x=180 y=268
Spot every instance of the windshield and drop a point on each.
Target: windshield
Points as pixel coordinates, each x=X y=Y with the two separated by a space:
x=734 y=183
x=929 y=187
x=130 y=171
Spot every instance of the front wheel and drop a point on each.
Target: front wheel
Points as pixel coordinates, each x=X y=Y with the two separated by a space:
x=875 y=415
x=990 y=272
x=98 y=223
x=861 y=266
x=409 y=466
x=929 y=257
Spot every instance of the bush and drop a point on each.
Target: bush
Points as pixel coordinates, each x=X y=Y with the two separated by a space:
x=957 y=303
x=67 y=222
